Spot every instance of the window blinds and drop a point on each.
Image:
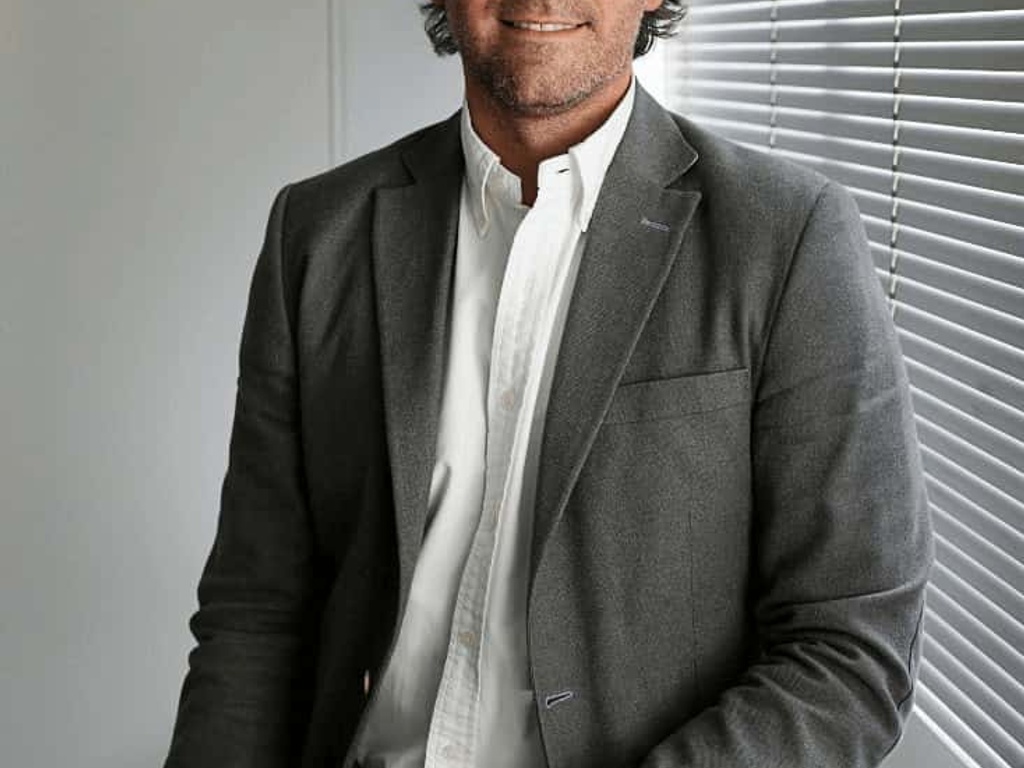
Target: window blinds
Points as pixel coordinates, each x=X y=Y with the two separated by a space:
x=918 y=108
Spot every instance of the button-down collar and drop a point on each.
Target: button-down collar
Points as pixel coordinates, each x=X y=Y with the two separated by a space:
x=490 y=183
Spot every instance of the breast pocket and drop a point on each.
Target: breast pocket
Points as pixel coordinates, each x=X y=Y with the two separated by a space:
x=670 y=398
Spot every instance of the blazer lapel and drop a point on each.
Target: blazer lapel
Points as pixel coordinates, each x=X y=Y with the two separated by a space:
x=415 y=229
x=635 y=232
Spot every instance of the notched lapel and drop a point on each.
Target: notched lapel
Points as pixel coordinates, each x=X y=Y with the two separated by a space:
x=414 y=237
x=635 y=233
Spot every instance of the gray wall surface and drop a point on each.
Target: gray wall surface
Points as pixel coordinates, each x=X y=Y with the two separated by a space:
x=141 y=144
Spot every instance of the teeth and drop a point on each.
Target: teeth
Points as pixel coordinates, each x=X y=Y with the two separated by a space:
x=534 y=26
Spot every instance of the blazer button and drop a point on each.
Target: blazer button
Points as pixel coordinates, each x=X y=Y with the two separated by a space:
x=367 y=681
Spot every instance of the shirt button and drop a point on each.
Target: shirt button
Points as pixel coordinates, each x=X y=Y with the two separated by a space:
x=453 y=752
x=468 y=638
x=490 y=516
x=508 y=399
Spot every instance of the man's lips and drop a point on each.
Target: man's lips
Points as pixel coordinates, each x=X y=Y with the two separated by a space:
x=542 y=26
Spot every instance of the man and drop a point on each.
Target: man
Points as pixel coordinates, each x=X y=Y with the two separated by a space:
x=567 y=434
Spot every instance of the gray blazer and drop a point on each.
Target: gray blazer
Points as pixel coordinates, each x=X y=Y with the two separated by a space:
x=731 y=539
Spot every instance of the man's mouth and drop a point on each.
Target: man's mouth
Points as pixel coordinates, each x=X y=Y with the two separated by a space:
x=541 y=26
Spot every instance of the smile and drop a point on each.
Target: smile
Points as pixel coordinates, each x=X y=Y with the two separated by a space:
x=537 y=26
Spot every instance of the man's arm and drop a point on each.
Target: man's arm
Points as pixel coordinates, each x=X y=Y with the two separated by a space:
x=243 y=702
x=842 y=537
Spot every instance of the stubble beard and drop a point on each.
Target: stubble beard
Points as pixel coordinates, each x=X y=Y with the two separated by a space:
x=532 y=82
x=527 y=89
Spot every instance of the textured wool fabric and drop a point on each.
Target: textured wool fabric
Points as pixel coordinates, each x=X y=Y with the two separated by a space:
x=731 y=539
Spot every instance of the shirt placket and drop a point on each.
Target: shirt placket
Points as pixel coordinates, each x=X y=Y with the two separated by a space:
x=519 y=324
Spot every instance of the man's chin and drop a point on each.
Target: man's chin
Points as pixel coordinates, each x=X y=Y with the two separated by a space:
x=539 y=102
x=543 y=108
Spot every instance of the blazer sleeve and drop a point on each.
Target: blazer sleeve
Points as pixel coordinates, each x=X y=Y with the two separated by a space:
x=842 y=540
x=244 y=701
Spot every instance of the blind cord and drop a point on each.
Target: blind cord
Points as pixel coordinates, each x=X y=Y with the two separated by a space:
x=773 y=75
x=894 y=189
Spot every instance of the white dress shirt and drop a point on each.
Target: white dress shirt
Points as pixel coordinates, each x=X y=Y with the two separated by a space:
x=457 y=690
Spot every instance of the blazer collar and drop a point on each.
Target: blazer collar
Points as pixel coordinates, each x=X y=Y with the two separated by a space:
x=636 y=232
x=414 y=233
x=637 y=227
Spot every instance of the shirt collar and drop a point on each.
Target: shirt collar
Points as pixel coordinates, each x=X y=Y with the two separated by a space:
x=486 y=178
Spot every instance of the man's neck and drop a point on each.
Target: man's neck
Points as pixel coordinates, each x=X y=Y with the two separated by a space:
x=523 y=142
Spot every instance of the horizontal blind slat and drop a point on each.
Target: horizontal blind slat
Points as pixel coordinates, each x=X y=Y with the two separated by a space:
x=989 y=381
x=998 y=503
x=874 y=156
x=961 y=25
x=972 y=84
x=718 y=12
x=996 y=591
x=985 y=26
x=950 y=252
x=994 y=413
x=967 y=745
x=950 y=147
x=956 y=6
x=705 y=11
x=838 y=54
x=1004 y=543
x=979 y=463
x=968 y=228
x=970 y=686
x=833 y=162
x=975 y=546
x=868 y=29
x=968 y=285
x=868 y=79
x=983 y=84
x=975 y=114
x=959 y=338
x=977 y=604
x=1004 y=685
x=856 y=103
x=1000 y=329
x=990 y=440
x=736 y=131
x=996 y=54
x=985 y=144
x=990 y=54
x=1004 y=208
x=992 y=211
x=975 y=177
x=947 y=607
x=980 y=723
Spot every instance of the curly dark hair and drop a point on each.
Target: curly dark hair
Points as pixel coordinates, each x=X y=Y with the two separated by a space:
x=658 y=23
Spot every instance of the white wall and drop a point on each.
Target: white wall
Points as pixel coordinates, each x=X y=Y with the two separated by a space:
x=141 y=145
x=387 y=78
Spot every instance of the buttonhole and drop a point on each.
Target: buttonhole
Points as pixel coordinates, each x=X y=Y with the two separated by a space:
x=552 y=701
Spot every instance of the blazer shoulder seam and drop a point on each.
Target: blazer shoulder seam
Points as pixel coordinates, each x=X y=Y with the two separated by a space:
x=776 y=302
